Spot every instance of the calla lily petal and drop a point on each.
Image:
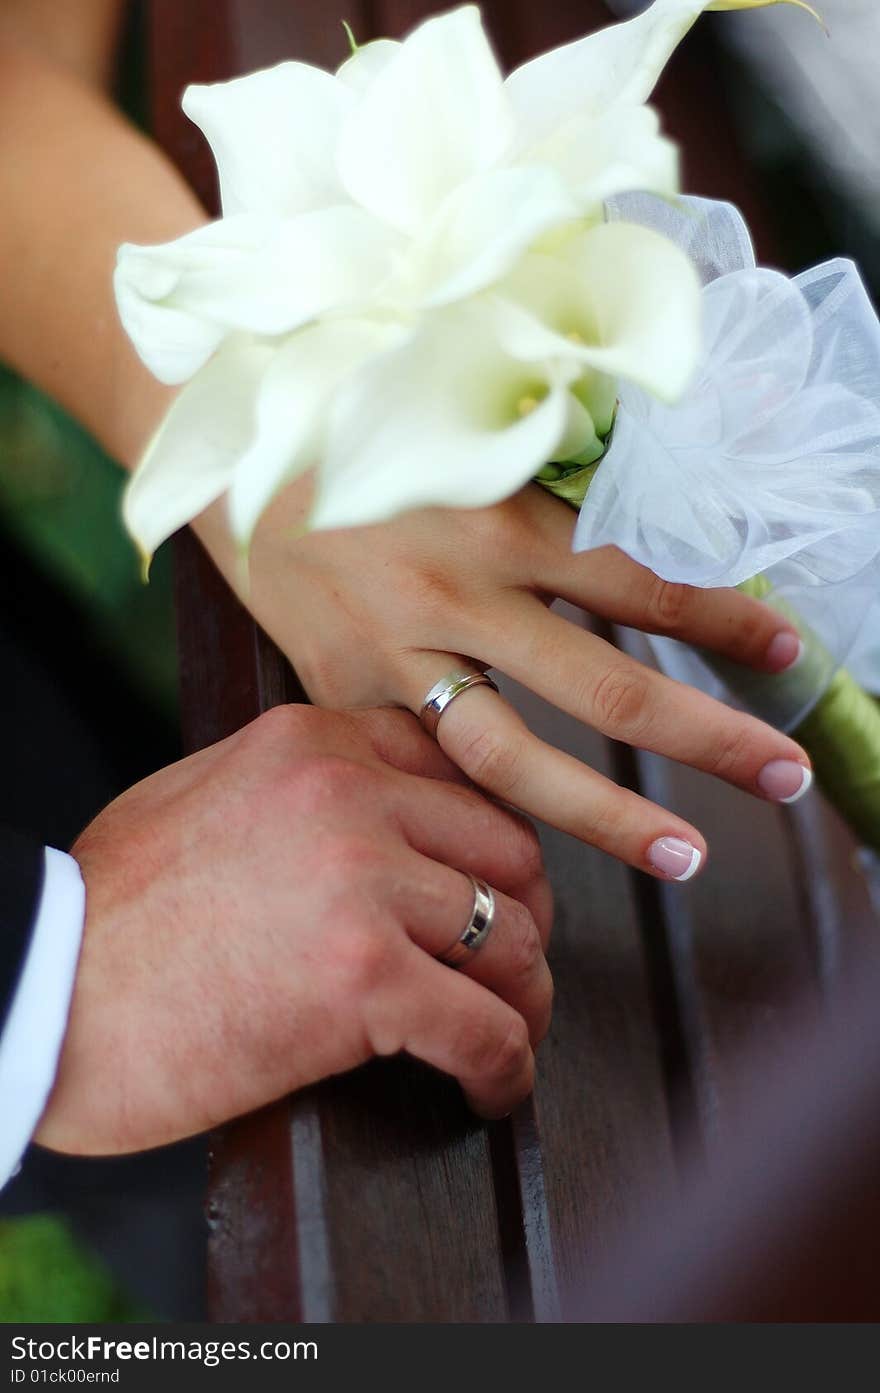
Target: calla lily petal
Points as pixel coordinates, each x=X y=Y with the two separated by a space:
x=481 y=231
x=365 y=64
x=191 y=459
x=292 y=408
x=178 y=301
x=273 y=134
x=618 y=298
x=761 y=4
x=432 y=116
x=170 y=338
x=327 y=260
x=447 y=419
x=618 y=64
x=615 y=151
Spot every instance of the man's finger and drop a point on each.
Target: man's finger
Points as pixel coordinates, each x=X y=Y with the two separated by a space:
x=443 y=1018
x=456 y=825
x=437 y=906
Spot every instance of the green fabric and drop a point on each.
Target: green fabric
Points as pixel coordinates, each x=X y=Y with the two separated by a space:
x=60 y=498
x=45 y=1276
x=841 y=733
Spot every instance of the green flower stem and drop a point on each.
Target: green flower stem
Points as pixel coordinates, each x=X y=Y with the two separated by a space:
x=840 y=732
x=572 y=485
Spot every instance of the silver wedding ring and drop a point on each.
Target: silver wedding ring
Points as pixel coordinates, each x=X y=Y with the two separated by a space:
x=477 y=928
x=444 y=692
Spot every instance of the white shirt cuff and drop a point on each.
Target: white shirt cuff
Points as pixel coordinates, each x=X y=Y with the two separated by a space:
x=30 y=1044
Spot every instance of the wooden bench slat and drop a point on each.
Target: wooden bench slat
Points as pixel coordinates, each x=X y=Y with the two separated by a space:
x=601 y=1111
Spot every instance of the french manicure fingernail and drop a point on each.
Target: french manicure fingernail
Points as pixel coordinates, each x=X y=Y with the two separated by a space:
x=784 y=780
x=674 y=857
x=784 y=651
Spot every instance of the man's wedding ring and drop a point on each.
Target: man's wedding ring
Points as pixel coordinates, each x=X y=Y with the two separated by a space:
x=478 y=927
x=446 y=690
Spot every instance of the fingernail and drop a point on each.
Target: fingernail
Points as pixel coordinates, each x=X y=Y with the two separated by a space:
x=674 y=857
x=784 y=650
x=784 y=780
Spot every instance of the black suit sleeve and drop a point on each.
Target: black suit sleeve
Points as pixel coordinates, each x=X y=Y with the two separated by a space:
x=21 y=883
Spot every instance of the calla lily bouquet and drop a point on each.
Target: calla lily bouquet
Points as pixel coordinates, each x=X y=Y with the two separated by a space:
x=431 y=285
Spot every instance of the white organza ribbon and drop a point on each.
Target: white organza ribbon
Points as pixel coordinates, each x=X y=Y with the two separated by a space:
x=770 y=463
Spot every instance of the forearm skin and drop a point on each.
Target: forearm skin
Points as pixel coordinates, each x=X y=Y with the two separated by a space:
x=76 y=180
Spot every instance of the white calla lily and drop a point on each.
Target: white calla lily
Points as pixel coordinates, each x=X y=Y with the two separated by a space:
x=172 y=340
x=192 y=458
x=616 y=66
x=618 y=298
x=179 y=301
x=598 y=156
x=446 y=419
x=480 y=232
x=365 y=64
x=292 y=410
x=434 y=114
x=418 y=192
x=273 y=135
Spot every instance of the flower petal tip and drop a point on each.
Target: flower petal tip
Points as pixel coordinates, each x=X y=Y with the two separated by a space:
x=762 y=4
x=146 y=562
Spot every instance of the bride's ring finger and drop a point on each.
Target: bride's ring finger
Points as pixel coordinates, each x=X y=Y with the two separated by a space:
x=489 y=741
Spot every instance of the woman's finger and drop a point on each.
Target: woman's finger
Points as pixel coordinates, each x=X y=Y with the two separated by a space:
x=591 y=680
x=458 y=1026
x=608 y=583
x=399 y=740
x=437 y=906
x=482 y=733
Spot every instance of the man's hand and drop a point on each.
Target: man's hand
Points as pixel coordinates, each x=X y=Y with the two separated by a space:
x=269 y=912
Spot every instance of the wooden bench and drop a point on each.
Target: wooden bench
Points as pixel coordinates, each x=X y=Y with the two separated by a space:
x=376 y=1196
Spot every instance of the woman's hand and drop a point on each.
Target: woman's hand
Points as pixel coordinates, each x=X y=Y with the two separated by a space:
x=271 y=911
x=375 y=616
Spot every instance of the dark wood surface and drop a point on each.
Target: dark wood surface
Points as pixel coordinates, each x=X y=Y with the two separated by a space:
x=376 y=1197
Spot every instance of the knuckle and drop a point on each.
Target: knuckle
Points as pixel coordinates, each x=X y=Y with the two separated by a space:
x=492 y=762
x=620 y=699
x=280 y=724
x=365 y=961
x=432 y=595
x=495 y=529
x=731 y=752
x=750 y=627
x=545 y=1013
x=523 y=942
x=669 y=604
x=507 y=1054
x=526 y=851
x=605 y=826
